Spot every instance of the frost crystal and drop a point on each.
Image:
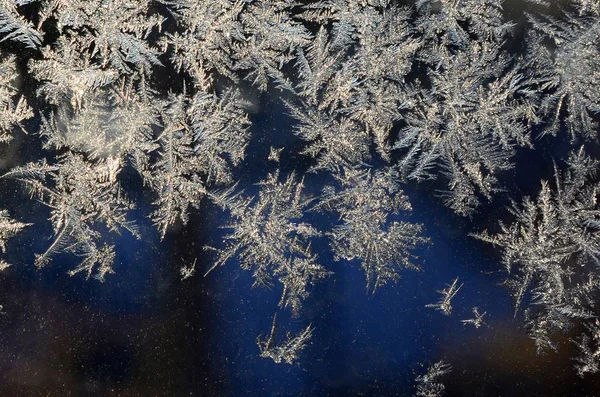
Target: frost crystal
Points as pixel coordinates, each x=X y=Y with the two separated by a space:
x=188 y=271
x=429 y=385
x=550 y=237
x=350 y=81
x=14 y=108
x=270 y=239
x=567 y=73
x=286 y=351
x=79 y=194
x=477 y=320
x=365 y=203
x=443 y=22
x=468 y=124
x=14 y=27
x=588 y=360
x=445 y=303
x=201 y=140
x=8 y=229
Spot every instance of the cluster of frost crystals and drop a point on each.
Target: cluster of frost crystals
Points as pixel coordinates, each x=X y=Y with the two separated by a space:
x=283 y=351
x=350 y=80
x=588 y=6
x=453 y=22
x=588 y=360
x=583 y=7
x=102 y=108
x=567 y=71
x=432 y=91
x=202 y=139
x=467 y=124
x=553 y=240
x=80 y=195
x=332 y=139
x=429 y=384
x=116 y=121
x=13 y=107
x=269 y=238
x=15 y=27
x=254 y=39
x=8 y=229
x=111 y=33
x=466 y=113
x=365 y=203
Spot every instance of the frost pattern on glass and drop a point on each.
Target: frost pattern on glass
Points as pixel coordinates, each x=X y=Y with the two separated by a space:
x=444 y=304
x=80 y=194
x=8 y=229
x=429 y=384
x=381 y=96
x=551 y=234
x=568 y=72
x=365 y=203
x=13 y=106
x=269 y=238
x=286 y=350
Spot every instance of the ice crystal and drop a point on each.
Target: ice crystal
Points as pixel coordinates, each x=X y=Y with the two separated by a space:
x=468 y=124
x=8 y=229
x=113 y=33
x=429 y=385
x=201 y=141
x=79 y=194
x=567 y=72
x=14 y=27
x=365 y=202
x=286 y=350
x=254 y=38
x=445 y=303
x=551 y=236
x=477 y=320
x=188 y=271
x=453 y=22
x=270 y=239
x=588 y=360
x=13 y=106
x=350 y=81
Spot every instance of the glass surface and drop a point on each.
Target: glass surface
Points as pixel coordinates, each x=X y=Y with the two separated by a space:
x=302 y=199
